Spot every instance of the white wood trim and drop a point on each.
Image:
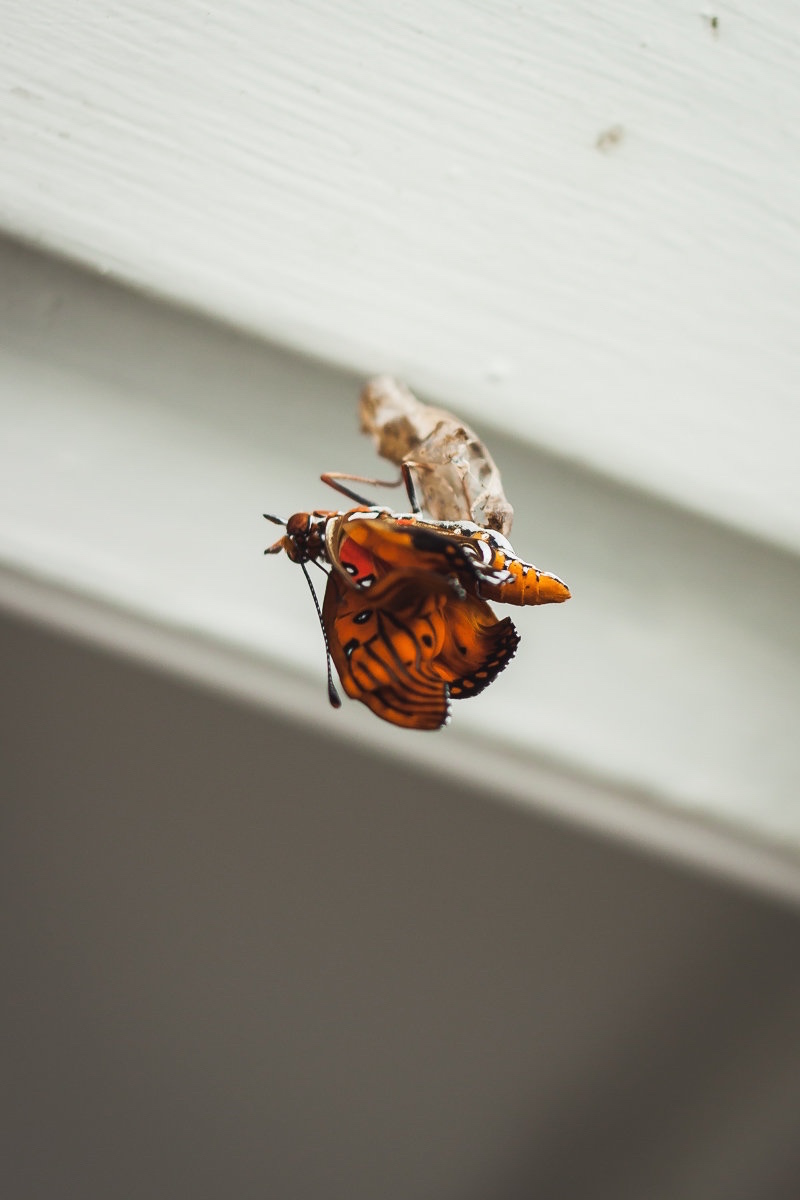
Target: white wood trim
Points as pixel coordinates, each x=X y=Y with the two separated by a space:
x=431 y=190
x=142 y=445
x=507 y=773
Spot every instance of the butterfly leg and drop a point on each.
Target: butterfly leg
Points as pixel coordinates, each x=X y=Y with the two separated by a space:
x=408 y=480
x=332 y=479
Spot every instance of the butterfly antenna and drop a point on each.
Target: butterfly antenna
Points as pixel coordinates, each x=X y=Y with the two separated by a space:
x=333 y=695
x=275 y=520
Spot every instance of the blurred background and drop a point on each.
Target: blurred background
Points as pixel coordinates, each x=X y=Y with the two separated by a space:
x=258 y=946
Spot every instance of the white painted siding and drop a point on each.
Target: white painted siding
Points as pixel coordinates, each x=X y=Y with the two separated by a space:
x=430 y=190
x=419 y=188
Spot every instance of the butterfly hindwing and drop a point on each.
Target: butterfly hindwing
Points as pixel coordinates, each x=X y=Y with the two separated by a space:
x=478 y=646
x=409 y=642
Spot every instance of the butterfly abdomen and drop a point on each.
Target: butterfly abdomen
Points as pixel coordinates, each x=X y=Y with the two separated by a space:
x=508 y=579
x=521 y=583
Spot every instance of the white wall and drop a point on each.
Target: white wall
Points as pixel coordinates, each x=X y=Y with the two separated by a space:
x=419 y=188
x=425 y=189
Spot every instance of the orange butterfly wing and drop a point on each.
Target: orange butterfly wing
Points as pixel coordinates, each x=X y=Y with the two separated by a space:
x=389 y=543
x=409 y=642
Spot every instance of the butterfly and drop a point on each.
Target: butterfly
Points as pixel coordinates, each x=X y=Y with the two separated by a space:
x=405 y=616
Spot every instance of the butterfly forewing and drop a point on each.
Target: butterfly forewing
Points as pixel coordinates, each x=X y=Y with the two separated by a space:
x=384 y=643
x=394 y=543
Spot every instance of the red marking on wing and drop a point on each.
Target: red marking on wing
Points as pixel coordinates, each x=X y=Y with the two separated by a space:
x=354 y=556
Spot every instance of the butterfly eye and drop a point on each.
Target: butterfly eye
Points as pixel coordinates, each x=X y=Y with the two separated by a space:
x=362 y=616
x=298 y=524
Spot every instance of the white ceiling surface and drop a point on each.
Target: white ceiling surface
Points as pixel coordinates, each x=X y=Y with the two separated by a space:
x=427 y=189
x=141 y=446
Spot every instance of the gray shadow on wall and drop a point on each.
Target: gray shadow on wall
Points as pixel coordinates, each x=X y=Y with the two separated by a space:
x=242 y=959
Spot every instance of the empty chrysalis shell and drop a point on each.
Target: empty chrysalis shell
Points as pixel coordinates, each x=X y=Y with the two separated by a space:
x=454 y=473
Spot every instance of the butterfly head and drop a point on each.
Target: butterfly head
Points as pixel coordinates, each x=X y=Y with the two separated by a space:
x=304 y=540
